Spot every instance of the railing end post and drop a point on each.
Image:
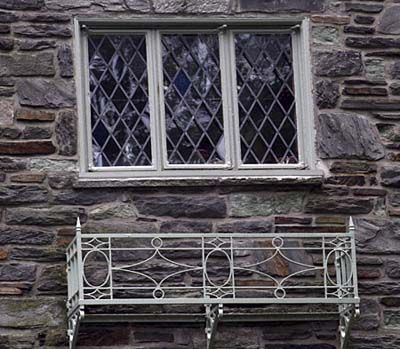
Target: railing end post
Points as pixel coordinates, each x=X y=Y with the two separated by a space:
x=351 y=224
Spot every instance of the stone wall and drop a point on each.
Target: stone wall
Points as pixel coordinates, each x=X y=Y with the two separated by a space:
x=356 y=68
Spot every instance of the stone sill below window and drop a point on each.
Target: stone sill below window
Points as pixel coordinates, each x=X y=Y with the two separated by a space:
x=314 y=179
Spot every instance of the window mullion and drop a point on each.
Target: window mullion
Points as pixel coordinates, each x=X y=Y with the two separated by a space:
x=226 y=97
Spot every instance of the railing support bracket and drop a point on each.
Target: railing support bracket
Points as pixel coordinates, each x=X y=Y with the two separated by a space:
x=347 y=316
x=73 y=326
x=213 y=314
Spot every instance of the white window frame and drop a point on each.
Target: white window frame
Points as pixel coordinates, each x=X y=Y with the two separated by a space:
x=233 y=168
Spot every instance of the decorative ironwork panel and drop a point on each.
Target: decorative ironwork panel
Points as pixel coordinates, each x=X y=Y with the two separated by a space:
x=119 y=100
x=194 y=268
x=266 y=102
x=193 y=99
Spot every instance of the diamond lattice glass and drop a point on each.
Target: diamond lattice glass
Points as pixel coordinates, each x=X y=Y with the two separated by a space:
x=267 y=115
x=193 y=99
x=119 y=100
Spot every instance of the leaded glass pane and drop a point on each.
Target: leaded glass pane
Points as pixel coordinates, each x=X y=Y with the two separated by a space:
x=193 y=99
x=120 y=116
x=267 y=116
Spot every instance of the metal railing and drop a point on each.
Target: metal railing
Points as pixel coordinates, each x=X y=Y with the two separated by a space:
x=212 y=270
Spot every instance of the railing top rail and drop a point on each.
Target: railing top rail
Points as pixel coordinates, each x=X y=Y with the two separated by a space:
x=216 y=235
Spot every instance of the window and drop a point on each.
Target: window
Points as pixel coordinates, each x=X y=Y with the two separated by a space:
x=195 y=98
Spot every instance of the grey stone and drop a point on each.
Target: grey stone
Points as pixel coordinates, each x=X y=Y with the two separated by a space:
x=17 y=272
x=337 y=63
x=348 y=136
x=49 y=165
x=66 y=133
x=350 y=29
x=391 y=301
x=282 y=5
x=395 y=70
x=32 y=313
x=323 y=35
x=36 y=45
x=181 y=206
x=7 y=17
x=245 y=226
x=391 y=318
x=21 y=4
x=392 y=269
x=118 y=226
x=138 y=5
x=364 y=19
x=371 y=104
x=34 y=132
x=377 y=236
x=186 y=227
x=53 y=280
x=372 y=42
x=389 y=22
x=113 y=210
x=6 y=111
x=85 y=197
x=6 y=44
x=12 y=165
x=343 y=205
x=57 y=5
x=19 y=194
x=65 y=61
x=390 y=176
x=352 y=167
x=60 y=180
x=366 y=8
x=45 y=216
x=43 y=30
x=27 y=64
x=24 y=236
x=266 y=204
x=49 y=254
x=327 y=94
x=191 y=6
x=46 y=17
x=46 y=93
x=375 y=68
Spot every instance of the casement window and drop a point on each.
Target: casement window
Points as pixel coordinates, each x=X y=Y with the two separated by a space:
x=194 y=98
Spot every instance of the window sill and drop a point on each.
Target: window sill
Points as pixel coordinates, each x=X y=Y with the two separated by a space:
x=313 y=178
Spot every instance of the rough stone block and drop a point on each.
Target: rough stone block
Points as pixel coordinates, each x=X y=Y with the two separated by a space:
x=255 y=204
x=6 y=111
x=44 y=216
x=372 y=42
x=12 y=165
x=389 y=22
x=281 y=5
x=337 y=63
x=327 y=94
x=186 y=227
x=390 y=176
x=118 y=226
x=323 y=35
x=31 y=313
x=65 y=61
x=53 y=280
x=43 y=30
x=46 y=93
x=17 y=272
x=362 y=7
x=367 y=20
x=85 y=197
x=6 y=44
x=191 y=6
x=245 y=226
x=24 y=236
x=27 y=64
x=27 y=148
x=49 y=254
x=348 y=136
x=34 y=115
x=21 y=4
x=181 y=206
x=18 y=194
x=342 y=205
x=66 y=133
x=36 y=45
x=113 y=210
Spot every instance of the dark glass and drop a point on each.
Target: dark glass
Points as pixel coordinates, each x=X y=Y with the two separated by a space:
x=119 y=100
x=193 y=99
x=267 y=115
